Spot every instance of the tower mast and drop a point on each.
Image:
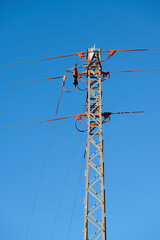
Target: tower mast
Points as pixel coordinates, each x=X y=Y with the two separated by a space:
x=94 y=219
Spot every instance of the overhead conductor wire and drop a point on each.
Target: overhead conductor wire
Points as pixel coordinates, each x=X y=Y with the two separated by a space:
x=135 y=112
x=139 y=70
x=63 y=189
x=80 y=54
x=38 y=60
x=42 y=170
x=132 y=50
x=112 y=52
x=58 y=77
x=74 y=116
x=43 y=121
x=65 y=182
x=31 y=81
x=76 y=196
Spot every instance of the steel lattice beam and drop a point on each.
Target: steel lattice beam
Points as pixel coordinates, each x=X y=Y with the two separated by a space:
x=94 y=220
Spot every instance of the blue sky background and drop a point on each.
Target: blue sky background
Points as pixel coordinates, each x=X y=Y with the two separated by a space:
x=38 y=29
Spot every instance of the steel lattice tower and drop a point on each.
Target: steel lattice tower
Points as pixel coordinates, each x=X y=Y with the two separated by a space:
x=94 y=219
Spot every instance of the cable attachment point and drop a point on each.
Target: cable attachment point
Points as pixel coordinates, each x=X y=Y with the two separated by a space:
x=80 y=54
x=107 y=117
x=78 y=116
x=105 y=73
x=111 y=52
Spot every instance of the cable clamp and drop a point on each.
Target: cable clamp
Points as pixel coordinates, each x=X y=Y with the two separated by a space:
x=106 y=114
x=105 y=73
x=111 y=52
x=78 y=116
x=80 y=54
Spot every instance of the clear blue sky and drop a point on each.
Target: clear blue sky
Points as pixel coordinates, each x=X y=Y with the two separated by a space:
x=38 y=29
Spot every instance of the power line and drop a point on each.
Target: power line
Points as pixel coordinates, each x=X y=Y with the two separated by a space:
x=106 y=73
x=80 y=54
x=107 y=115
x=66 y=178
x=58 y=77
x=76 y=196
x=42 y=170
x=134 y=112
x=38 y=60
x=112 y=52
x=38 y=80
x=77 y=116
x=137 y=50
x=139 y=70
x=133 y=50
x=43 y=121
x=64 y=186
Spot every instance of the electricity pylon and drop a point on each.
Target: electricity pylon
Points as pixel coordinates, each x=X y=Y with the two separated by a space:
x=94 y=219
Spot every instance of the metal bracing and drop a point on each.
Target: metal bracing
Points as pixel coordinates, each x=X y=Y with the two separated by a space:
x=94 y=220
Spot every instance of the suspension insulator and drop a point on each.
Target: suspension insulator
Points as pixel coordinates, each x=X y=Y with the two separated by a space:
x=75 y=76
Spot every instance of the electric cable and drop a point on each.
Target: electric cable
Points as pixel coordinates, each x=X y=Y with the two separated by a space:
x=139 y=70
x=63 y=189
x=81 y=89
x=137 y=50
x=41 y=59
x=69 y=91
x=127 y=71
x=76 y=196
x=107 y=73
x=85 y=130
x=107 y=115
x=79 y=130
x=80 y=54
x=112 y=52
x=133 y=50
x=134 y=112
x=43 y=121
x=38 y=80
x=64 y=79
x=42 y=170
x=78 y=116
x=46 y=79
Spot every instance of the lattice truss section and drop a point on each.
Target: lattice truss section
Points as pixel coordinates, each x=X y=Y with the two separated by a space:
x=94 y=222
